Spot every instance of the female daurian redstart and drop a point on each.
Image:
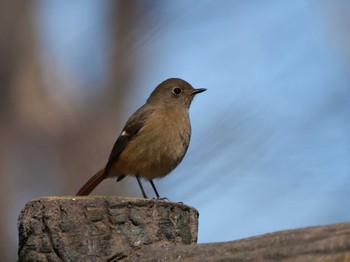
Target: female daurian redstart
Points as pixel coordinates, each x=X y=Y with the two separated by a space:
x=154 y=139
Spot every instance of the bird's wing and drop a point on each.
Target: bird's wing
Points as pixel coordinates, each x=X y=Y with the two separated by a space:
x=132 y=127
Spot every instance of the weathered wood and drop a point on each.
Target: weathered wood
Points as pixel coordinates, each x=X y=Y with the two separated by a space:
x=101 y=228
x=130 y=229
x=325 y=243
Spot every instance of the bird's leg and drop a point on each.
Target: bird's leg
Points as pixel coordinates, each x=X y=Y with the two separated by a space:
x=141 y=187
x=154 y=188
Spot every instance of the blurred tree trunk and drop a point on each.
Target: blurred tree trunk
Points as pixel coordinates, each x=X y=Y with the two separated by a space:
x=130 y=24
x=19 y=83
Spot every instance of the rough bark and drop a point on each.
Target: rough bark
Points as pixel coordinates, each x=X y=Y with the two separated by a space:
x=325 y=243
x=101 y=228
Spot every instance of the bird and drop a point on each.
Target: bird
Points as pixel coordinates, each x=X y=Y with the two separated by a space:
x=154 y=140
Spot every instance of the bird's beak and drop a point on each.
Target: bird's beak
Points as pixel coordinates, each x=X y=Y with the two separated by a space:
x=199 y=90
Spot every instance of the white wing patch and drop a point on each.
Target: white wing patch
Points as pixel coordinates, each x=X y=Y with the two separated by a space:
x=124 y=133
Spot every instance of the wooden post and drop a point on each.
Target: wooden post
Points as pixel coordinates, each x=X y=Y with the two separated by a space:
x=101 y=228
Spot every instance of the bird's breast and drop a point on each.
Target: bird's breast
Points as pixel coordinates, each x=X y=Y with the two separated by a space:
x=158 y=147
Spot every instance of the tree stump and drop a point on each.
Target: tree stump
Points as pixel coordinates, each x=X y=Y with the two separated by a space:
x=101 y=228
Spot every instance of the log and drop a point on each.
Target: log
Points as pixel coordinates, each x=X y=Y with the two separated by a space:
x=323 y=243
x=101 y=228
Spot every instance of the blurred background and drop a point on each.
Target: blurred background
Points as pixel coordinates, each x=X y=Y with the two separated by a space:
x=270 y=146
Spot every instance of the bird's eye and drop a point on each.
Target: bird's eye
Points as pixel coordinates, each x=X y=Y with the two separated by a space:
x=177 y=91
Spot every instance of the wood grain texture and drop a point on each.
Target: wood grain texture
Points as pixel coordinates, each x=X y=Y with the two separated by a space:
x=324 y=243
x=101 y=228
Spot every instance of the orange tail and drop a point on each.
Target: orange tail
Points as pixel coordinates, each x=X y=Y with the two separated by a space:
x=92 y=183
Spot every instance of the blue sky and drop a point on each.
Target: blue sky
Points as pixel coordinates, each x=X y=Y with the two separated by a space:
x=270 y=145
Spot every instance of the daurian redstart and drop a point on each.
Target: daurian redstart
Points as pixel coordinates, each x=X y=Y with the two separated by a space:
x=154 y=139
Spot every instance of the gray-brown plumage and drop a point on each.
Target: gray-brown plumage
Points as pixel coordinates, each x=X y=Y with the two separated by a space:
x=154 y=139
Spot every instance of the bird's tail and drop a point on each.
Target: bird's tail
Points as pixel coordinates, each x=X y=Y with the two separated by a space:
x=92 y=183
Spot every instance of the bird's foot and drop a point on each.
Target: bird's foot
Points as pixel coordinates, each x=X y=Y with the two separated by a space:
x=162 y=199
